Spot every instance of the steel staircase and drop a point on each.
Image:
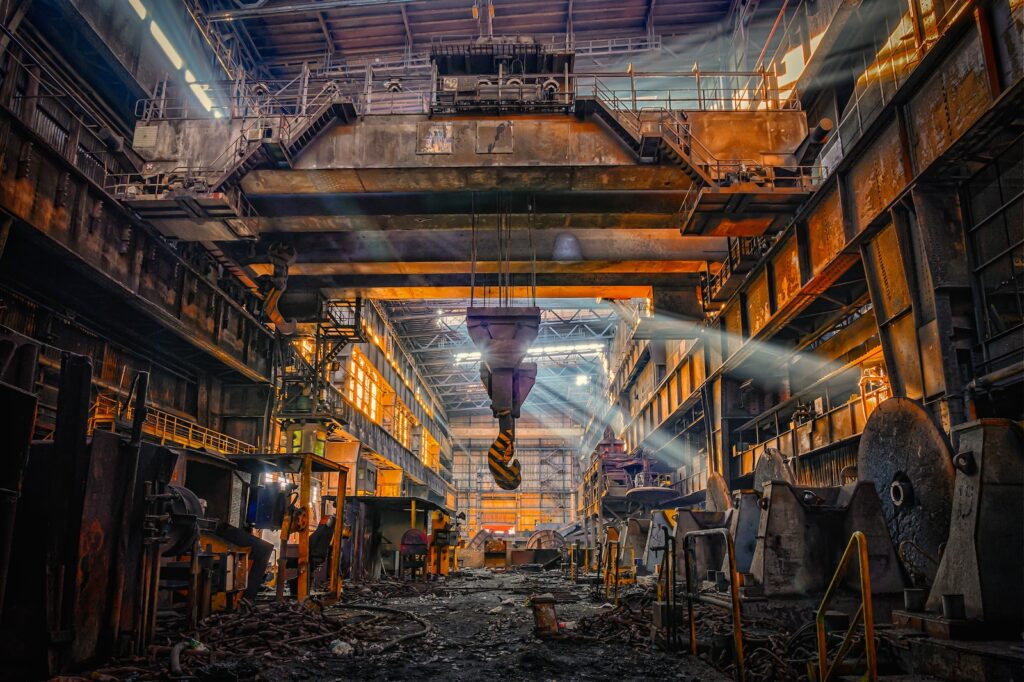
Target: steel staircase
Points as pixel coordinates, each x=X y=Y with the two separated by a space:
x=309 y=127
x=671 y=139
x=294 y=135
x=679 y=146
x=253 y=155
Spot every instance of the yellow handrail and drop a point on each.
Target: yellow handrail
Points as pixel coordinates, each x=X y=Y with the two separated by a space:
x=734 y=584
x=168 y=427
x=866 y=611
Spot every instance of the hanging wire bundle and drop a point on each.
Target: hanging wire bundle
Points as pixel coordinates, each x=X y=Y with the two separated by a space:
x=505 y=241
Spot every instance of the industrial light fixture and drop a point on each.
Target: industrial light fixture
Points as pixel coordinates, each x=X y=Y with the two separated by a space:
x=470 y=356
x=139 y=8
x=200 y=92
x=175 y=58
x=166 y=46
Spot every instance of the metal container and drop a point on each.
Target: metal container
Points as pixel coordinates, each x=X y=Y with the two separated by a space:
x=914 y=599
x=545 y=620
x=953 y=607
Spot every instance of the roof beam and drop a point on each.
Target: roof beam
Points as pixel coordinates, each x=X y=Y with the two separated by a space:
x=326 y=31
x=296 y=8
x=408 y=31
x=568 y=25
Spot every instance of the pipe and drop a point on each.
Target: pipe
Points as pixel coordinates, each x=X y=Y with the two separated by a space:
x=987 y=381
x=814 y=142
x=176 y=650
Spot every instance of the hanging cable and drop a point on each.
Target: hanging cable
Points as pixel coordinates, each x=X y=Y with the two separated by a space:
x=532 y=208
x=472 y=249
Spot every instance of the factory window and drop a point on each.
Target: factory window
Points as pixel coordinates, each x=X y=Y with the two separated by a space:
x=995 y=207
x=430 y=451
x=366 y=387
x=399 y=421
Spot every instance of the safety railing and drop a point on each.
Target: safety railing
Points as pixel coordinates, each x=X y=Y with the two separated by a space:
x=694 y=90
x=858 y=545
x=676 y=131
x=743 y=253
x=630 y=91
x=734 y=586
x=38 y=99
x=624 y=111
x=108 y=411
x=692 y=483
x=647 y=479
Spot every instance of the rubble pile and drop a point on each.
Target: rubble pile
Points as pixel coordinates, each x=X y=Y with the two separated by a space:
x=254 y=637
x=630 y=621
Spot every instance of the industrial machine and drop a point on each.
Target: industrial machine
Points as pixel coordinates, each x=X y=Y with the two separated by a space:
x=976 y=590
x=785 y=562
x=501 y=73
x=788 y=538
x=124 y=541
x=444 y=539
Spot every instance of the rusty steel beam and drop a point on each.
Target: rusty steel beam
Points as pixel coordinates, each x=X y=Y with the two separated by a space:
x=488 y=267
x=425 y=292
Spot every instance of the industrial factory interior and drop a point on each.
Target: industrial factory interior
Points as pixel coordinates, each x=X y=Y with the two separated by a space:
x=473 y=340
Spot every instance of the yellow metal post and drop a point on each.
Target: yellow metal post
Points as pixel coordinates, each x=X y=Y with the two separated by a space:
x=282 y=554
x=737 y=627
x=859 y=542
x=305 y=486
x=339 y=520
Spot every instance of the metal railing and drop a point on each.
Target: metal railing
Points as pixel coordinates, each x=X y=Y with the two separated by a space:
x=632 y=91
x=166 y=427
x=743 y=252
x=624 y=111
x=859 y=543
x=694 y=90
x=692 y=483
x=734 y=587
x=41 y=103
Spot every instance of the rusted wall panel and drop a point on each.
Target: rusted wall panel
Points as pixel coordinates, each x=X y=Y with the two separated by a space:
x=38 y=187
x=906 y=357
x=749 y=134
x=887 y=268
x=950 y=101
x=733 y=330
x=759 y=309
x=877 y=177
x=1008 y=27
x=698 y=368
x=825 y=233
x=786 y=271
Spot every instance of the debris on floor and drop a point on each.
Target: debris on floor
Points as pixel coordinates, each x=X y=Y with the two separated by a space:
x=468 y=627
